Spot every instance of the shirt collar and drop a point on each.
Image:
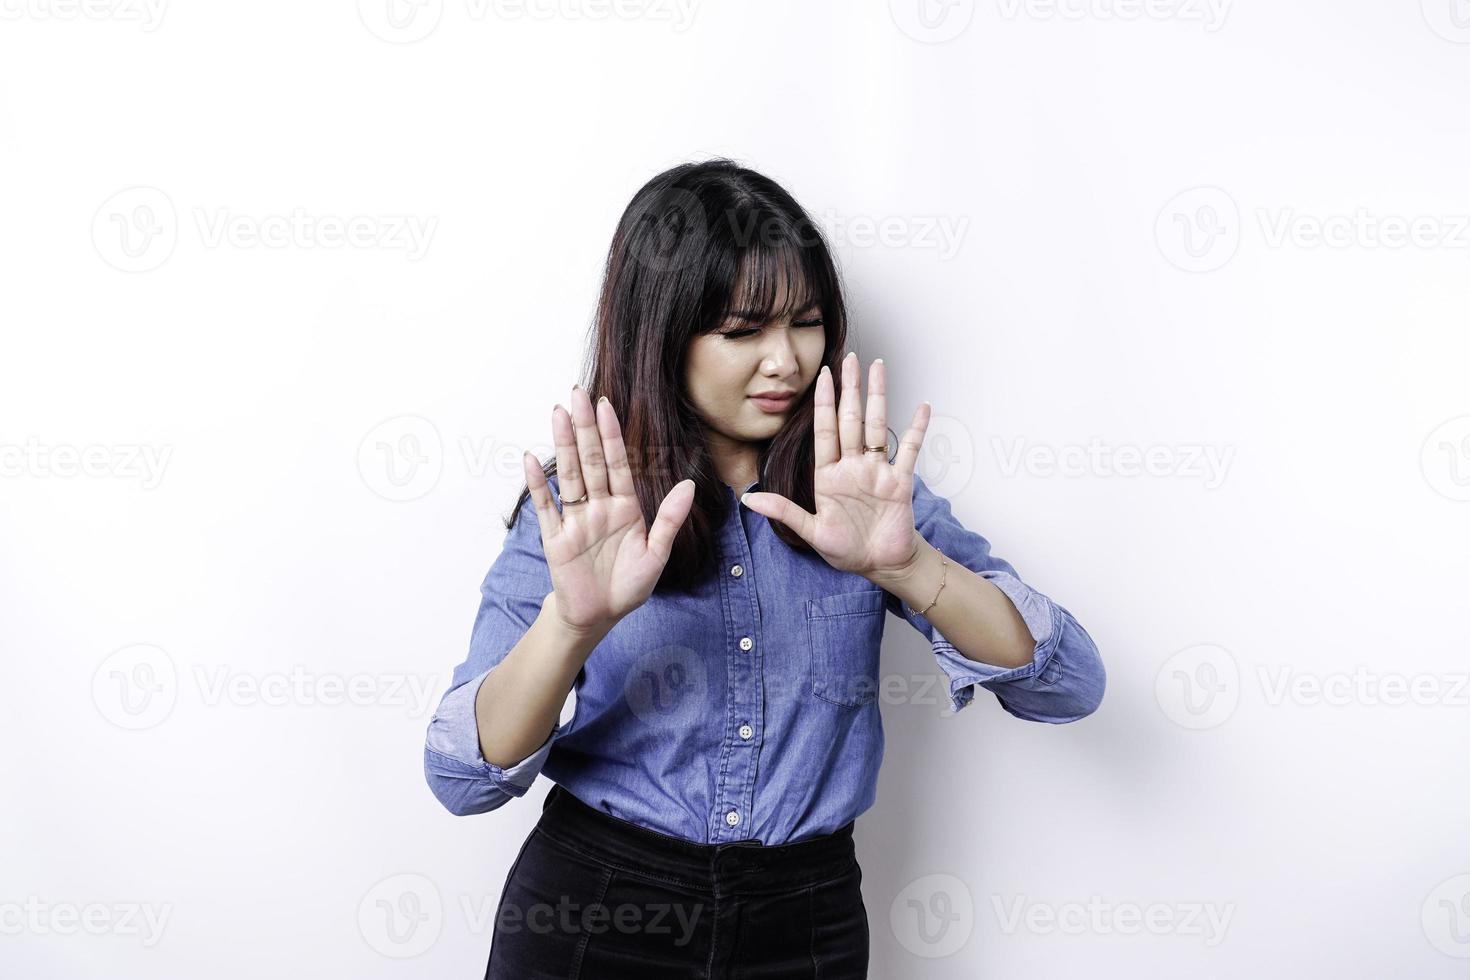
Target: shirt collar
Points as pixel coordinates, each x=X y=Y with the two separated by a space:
x=737 y=494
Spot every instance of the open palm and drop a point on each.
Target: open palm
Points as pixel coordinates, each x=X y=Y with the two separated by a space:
x=603 y=560
x=865 y=514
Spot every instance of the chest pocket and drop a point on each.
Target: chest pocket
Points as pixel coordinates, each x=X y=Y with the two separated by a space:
x=844 y=634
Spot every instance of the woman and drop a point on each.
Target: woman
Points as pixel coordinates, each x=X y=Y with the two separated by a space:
x=721 y=659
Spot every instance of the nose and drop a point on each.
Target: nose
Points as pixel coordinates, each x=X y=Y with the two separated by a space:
x=778 y=359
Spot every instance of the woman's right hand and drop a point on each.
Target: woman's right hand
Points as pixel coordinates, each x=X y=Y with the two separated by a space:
x=604 y=560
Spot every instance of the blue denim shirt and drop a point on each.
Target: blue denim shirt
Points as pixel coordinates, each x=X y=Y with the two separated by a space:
x=748 y=708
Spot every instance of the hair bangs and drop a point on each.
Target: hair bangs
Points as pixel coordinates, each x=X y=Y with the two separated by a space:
x=777 y=279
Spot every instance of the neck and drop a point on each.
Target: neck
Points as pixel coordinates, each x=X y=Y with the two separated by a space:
x=735 y=461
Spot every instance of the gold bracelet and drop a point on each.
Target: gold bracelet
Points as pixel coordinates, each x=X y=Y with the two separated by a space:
x=943 y=574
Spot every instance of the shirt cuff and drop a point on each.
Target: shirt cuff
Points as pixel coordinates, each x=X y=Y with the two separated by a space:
x=1042 y=619
x=453 y=740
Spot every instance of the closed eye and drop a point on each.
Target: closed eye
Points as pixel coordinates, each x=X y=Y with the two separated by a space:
x=737 y=334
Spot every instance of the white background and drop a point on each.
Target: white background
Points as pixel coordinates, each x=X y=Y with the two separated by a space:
x=1132 y=264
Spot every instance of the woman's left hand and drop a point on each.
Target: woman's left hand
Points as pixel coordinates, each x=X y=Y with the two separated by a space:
x=865 y=511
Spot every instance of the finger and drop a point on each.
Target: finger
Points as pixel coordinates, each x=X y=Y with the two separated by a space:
x=824 y=420
x=913 y=438
x=619 y=476
x=778 y=508
x=849 y=409
x=568 y=466
x=875 y=429
x=670 y=517
x=589 y=444
x=540 y=488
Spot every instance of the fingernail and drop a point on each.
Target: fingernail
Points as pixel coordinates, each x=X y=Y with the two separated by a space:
x=877 y=360
x=576 y=387
x=602 y=399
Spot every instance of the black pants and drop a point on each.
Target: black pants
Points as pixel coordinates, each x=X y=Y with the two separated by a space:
x=593 y=897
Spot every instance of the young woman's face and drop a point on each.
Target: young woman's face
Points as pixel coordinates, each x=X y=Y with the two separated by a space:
x=740 y=359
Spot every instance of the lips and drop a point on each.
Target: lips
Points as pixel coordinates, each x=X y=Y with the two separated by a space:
x=772 y=403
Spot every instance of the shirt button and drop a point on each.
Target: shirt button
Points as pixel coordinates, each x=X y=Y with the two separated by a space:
x=732 y=818
x=746 y=643
x=746 y=731
x=737 y=571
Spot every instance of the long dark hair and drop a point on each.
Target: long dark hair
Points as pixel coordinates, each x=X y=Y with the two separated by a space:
x=676 y=258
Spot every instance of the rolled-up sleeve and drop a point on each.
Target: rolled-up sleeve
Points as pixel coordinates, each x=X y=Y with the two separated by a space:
x=510 y=600
x=1064 y=680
